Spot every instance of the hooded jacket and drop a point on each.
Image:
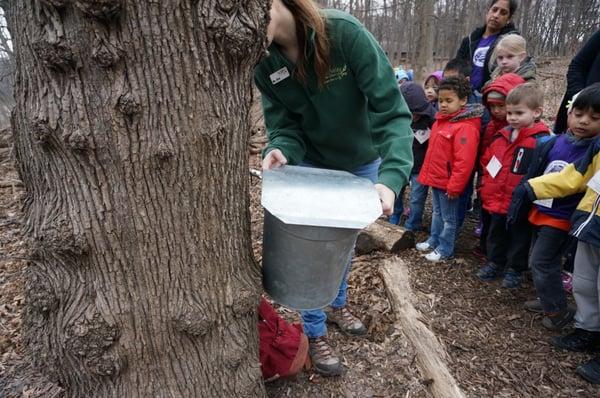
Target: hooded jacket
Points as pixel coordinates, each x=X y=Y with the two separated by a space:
x=515 y=158
x=469 y=44
x=502 y=85
x=452 y=150
x=417 y=103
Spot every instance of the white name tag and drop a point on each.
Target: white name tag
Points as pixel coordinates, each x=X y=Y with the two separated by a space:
x=544 y=202
x=594 y=183
x=494 y=166
x=280 y=75
x=422 y=135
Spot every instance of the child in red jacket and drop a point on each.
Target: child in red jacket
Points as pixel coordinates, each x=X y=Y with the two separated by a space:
x=449 y=163
x=504 y=164
x=494 y=99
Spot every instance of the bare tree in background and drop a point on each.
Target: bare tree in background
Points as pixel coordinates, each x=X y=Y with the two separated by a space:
x=551 y=27
x=424 y=52
x=7 y=68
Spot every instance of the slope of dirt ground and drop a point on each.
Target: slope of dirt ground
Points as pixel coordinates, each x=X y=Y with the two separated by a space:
x=497 y=349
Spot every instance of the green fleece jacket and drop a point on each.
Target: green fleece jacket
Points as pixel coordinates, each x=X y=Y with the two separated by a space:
x=357 y=117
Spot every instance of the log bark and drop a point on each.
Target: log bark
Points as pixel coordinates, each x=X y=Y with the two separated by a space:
x=384 y=236
x=431 y=355
x=131 y=132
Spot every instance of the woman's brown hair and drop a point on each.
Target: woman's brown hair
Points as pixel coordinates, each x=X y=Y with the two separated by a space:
x=307 y=15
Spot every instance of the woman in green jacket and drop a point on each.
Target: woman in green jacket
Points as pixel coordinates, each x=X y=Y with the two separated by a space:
x=330 y=100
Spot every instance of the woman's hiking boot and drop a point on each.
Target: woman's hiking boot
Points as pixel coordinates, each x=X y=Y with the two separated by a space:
x=579 y=340
x=590 y=370
x=558 y=320
x=323 y=357
x=348 y=323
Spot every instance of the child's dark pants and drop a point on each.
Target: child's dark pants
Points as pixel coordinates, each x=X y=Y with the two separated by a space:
x=546 y=263
x=508 y=248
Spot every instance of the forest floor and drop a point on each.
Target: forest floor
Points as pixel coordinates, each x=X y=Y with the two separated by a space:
x=496 y=349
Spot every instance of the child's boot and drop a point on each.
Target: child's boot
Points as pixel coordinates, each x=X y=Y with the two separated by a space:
x=580 y=340
x=590 y=370
x=558 y=320
x=512 y=279
x=489 y=272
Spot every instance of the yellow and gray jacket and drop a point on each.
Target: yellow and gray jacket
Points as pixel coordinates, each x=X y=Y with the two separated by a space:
x=573 y=179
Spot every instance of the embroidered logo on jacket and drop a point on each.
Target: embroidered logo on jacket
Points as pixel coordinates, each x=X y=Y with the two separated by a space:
x=336 y=73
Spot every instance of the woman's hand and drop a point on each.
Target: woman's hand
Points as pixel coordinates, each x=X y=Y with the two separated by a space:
x=387 y=197
x=273 y=160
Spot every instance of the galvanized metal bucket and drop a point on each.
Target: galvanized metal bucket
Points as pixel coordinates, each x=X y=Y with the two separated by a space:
x=312 y=219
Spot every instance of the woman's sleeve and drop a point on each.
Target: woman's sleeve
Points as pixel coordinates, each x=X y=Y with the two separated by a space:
x=388 y=113
x=581 y=63
x=463 y=51
x=283 y=128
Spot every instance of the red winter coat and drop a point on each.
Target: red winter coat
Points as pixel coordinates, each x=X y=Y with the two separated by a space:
x=515 y=157
x=452 y=151
x=502 y=85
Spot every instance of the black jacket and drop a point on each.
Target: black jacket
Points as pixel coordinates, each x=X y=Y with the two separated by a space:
x=419 y=150
x=584 y=70
x=469 y=44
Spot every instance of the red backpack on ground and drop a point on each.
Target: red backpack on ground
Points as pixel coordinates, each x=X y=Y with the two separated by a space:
x=283 y=346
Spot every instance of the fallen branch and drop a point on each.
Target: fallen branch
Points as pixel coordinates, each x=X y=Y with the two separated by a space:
x=384 y=236
x=431 y=355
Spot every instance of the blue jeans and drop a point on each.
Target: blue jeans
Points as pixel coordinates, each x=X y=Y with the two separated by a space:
x=443 y=222
x=465 y=200
x=418 y=196
x=314 y=320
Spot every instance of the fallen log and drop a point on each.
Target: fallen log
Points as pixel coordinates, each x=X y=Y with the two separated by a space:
x=384 y=236
x=431 y=356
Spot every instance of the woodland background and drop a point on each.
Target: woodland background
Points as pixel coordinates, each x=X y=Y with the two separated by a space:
x=553 y=28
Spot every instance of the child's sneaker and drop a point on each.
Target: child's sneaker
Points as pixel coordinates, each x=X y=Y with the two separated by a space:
x=558 y=320
x=424 y=247
x=512 y=279
x=435 y=257
x=489 y=272
x=567 y=281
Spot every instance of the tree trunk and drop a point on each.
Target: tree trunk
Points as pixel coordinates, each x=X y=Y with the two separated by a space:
x=424 y=60
x=131 y=129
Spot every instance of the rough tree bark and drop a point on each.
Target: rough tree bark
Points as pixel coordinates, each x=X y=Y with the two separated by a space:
x=131 y=127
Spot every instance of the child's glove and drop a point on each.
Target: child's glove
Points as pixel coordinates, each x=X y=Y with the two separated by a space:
x=522 y=199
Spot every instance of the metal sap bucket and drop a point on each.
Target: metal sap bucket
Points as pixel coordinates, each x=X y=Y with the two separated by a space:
x=312 y=219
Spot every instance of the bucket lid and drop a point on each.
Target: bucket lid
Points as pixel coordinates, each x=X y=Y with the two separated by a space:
x=319 y=197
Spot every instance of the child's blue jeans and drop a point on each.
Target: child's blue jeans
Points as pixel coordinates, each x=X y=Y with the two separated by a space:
x=418 y=196
x=444 y=223
x=314 y=320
